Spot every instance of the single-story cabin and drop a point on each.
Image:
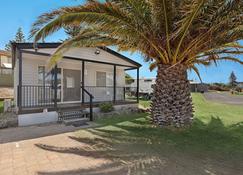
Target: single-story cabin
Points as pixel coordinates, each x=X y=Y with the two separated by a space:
x=81 y=80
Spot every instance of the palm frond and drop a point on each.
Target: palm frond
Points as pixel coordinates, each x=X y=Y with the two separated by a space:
x=195 y=69
x=170 y=32
x=153 y=66
x=186 y=24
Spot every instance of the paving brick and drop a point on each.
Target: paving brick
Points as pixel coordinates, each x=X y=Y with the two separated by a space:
x=24 y=157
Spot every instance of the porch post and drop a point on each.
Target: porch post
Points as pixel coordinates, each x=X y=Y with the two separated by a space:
x=20 y=82
x=138 y=85
x=83 y=67
x=114 y=84
x=55 y=87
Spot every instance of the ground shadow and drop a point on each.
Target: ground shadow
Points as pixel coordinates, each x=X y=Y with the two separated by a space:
x=31 y=132
x=135 y=147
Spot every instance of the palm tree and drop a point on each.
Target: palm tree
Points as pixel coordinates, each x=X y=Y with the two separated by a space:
x=72 y=30
x=173 y=36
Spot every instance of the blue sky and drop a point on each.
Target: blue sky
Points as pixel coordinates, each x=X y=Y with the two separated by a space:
x=22 y=13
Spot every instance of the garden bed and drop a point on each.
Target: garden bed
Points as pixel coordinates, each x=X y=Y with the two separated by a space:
x=8 y=120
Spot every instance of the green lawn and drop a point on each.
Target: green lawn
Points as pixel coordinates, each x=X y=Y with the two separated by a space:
x=205 y=111
x=145 y=103
x=212 y=145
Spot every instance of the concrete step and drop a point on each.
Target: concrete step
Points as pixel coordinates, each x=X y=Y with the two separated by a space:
x=76 y=122
x=73 y=114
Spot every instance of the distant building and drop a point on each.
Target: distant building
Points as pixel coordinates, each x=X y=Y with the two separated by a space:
x=6 y=73
x=5 y=59
x=146 y=89
x=240 y=85
x=145 y=85
x=198 y=87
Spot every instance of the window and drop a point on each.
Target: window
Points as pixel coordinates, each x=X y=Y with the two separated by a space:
x=41 y=75
x=100 y=78
x=70 y=82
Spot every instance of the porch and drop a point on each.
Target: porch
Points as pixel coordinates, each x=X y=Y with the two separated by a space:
x=36 y=98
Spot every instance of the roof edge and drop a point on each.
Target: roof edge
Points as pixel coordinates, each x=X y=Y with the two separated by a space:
x=57 y=44
x=120 y=56
x=36 y=46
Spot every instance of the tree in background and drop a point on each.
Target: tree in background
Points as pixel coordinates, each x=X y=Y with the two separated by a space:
x=174 y=36
x=19 y=38
x=232 y=80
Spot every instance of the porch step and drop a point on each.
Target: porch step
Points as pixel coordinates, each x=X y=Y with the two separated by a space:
x=72 y=114
x=76 y=122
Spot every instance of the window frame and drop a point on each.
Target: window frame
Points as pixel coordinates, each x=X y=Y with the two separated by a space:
x=105 y=78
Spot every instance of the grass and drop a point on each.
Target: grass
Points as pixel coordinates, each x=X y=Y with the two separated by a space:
x=145 y=103
x=205 y=110
x=212 y=145
x=238 y=93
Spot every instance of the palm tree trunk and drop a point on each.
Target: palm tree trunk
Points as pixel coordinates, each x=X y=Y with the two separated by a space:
x=172 y=102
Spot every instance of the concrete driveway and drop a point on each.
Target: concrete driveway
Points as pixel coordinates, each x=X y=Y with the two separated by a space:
x=224 y=97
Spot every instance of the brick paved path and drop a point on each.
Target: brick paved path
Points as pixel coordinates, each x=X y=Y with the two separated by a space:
x=25 y=157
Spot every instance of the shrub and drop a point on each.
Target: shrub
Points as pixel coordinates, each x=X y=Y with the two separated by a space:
x=238 y=89
x=106 y=107
x=219 y=87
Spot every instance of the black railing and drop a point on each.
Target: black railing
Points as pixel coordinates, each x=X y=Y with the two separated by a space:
x=100 y=94
x=33 y=96
x=36 y=96
x=106 y=93
x=131 y=93
x=90 y=102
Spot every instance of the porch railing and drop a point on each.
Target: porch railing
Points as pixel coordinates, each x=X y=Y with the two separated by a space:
x=90 y=102
x=106 y=94
x=33 y=96
x=131 y=93
x=36 y=96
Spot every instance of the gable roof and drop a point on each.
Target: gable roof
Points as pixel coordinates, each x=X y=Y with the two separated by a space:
x=35 y=47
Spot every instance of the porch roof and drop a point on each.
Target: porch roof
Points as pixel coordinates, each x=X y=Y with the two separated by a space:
x=104 y=55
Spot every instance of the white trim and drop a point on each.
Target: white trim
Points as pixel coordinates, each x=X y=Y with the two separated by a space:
x=68 y=102
x=37 y=118
x=62 y=84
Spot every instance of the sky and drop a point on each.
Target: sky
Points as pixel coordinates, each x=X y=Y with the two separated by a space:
x=22 y=13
